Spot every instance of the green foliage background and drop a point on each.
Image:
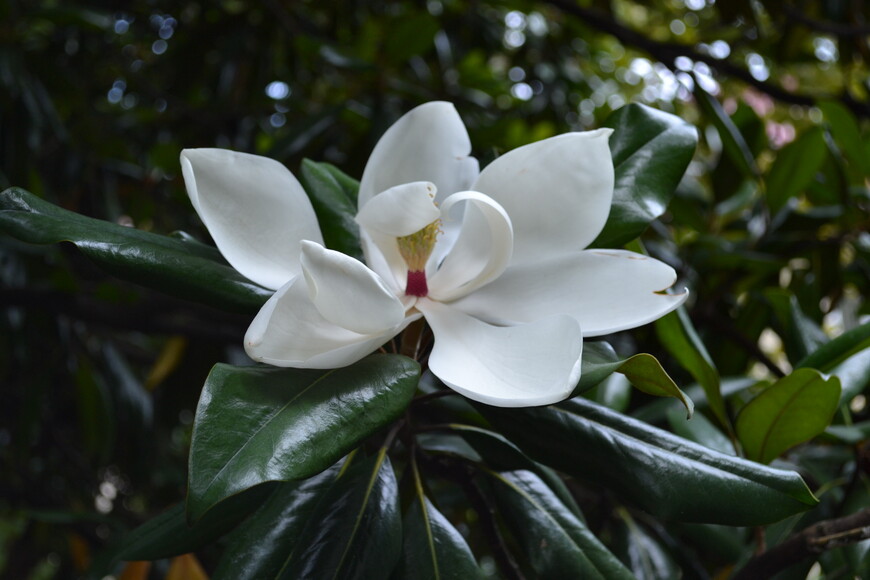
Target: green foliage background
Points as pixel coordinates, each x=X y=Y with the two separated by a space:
x=769 y=228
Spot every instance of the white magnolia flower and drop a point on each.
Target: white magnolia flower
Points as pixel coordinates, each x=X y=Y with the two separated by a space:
x=493 y=259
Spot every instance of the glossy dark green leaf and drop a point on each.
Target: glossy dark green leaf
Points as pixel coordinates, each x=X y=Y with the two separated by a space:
x=664 y=474
x=258 y=548
x=642 y=370
x=700 y=430
x=828 y=356
x=733 y=143
x=348 y=184
x=678 y=336
x=795 y=167
x=555 y=542
x=432 y=549
x=356 y=530
x=641 y=551
x=651 y=151
x=794 y=409
x=167 y=264
x=599 y=361
x=256 y=424
x=335 y=210
x=502 y=455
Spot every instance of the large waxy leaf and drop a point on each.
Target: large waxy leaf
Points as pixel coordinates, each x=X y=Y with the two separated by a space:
x=643 y=553
x=432 y=549
x=651 y=151
x=501 y=454
x=794 y=409
x=356 y=530
x=700 y=430
x=661 y=472
x=258 y=548
x=256 y=424
x=556 y=543
x=643 y=370
x=334 y=208
x=172 y=265
x=678 y=335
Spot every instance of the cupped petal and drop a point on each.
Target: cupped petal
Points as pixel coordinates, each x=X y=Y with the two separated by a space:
x=348 y=294
x=604 y=290
x=289 y=331
x=428 y=143
x=400 y=210
x=557 y=191
x=255 y=210
x=481 y=251
x=506 y=366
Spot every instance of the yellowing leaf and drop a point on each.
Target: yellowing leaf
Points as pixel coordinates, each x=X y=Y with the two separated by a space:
x=135 y=571
x=170 y=357
x=186 y=567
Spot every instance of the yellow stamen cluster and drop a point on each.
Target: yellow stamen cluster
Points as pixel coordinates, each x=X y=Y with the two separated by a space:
x=417 y=247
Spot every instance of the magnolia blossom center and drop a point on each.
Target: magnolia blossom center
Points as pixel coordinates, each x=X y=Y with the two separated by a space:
x=415 y=250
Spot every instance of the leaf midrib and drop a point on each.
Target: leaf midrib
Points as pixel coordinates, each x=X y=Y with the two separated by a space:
x=265 y=423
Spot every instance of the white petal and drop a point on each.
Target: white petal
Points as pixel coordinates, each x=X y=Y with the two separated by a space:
x=392 y=270
x=429 y=143
x=507 y=366
x=347 y=293
x=290 y=332
x=557 y=191
x=401 y=210
x=604 y=290
x=481 y=251
x=255 y=210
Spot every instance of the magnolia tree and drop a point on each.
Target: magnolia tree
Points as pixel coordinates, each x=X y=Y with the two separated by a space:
x=430 y=384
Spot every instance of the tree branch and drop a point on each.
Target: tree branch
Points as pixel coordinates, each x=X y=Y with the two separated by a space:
x=825 y=535
x=667 y=52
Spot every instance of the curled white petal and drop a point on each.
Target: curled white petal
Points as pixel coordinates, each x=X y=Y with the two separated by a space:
x=481 y=251
x=557 y=191
x=400 y=210
x=506 y=366
x=289 y=331
x=347 y=293
x=604 y=290
x=255 y=210
x=428 y=143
